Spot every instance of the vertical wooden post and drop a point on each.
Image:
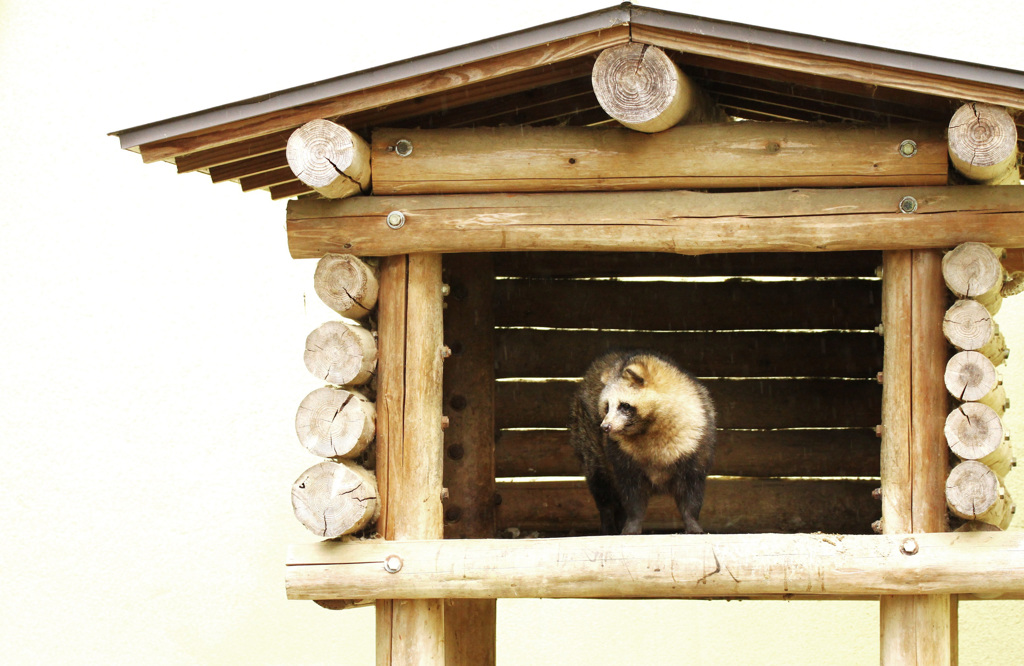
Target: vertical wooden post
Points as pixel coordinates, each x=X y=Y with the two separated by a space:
x=470 y=624
x=409 y=443
x=914 y=629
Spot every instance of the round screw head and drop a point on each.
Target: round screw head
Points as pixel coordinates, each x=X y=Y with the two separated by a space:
x=396 y=219
x=908 y=205
x=908 y=547
x=908 y=148
x=403 y=147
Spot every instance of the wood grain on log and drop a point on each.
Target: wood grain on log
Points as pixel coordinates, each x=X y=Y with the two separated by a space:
x=341 y=353
x=974 y=431
x=346 y=285
x=674 y=221
x=567 y=159
x=335 y=423
x=974 y=492
x=971 y=377
x=983 y=144
x=639 y=86
x=969 y=326
x=409 y=456
x=335 y=498
x=666 y=566
x=973 y=270
x=330 y=159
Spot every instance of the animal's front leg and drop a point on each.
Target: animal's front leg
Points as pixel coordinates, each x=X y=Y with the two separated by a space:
x=634 y=505
x=606 y=497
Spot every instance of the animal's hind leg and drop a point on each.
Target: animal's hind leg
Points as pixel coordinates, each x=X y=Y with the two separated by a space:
x=688 y=491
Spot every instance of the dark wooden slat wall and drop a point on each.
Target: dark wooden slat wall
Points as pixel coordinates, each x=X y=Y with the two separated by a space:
x=757 y=403
x=736 y=304
x=561 y=353
x=740 y=505
x=791 y=360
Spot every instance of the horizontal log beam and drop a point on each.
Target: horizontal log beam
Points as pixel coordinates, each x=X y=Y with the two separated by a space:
x=680 y=222
x=662 y=566
x=734 y=155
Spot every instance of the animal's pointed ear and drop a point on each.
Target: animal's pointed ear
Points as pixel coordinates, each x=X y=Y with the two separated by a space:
x=636 y=374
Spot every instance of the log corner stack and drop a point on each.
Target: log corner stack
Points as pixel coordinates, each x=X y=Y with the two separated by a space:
x=974 y=429
x=338 y=496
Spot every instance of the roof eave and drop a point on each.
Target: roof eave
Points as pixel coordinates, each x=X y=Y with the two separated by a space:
x=634 y=17
x=376 y=76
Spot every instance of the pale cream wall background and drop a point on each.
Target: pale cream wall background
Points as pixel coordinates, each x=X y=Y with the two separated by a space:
x=152 y=326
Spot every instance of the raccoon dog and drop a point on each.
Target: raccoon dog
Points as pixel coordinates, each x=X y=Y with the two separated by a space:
x=641 y=424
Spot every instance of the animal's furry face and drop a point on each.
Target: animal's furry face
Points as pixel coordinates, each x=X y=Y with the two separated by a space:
x=622 y=401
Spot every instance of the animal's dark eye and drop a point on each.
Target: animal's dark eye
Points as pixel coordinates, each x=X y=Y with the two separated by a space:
x=627 y=408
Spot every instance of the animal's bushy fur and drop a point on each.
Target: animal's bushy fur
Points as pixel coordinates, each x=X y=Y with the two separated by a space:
x=640 y=424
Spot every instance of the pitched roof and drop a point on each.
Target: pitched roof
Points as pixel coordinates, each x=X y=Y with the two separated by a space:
x=542 y=76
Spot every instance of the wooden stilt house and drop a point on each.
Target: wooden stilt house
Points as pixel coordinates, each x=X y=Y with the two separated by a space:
x=776 y=211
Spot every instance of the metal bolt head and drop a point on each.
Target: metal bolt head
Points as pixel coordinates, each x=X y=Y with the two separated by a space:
x=908 y=205
x=908 y=547
x=396 y=219
x=908 y=148
x=403 y=147
x=392 y=564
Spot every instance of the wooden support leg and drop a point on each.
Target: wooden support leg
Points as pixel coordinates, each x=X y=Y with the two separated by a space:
x=914 y=629
x=409 y=443
x=469 y=443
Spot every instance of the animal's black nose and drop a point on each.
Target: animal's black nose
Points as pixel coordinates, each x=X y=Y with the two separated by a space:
x=607 y=427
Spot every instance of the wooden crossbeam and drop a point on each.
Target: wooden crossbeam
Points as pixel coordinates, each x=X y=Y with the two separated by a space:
x=674 y=221
x=662 y=566
x=725 y=155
